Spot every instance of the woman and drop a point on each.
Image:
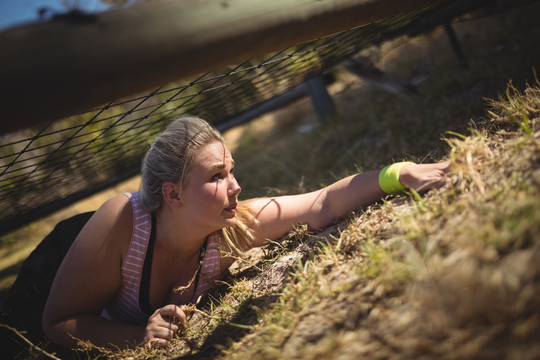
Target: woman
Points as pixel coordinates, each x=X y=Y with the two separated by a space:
x=142 y=255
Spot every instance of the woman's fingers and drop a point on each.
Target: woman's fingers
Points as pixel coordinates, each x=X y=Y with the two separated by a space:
x=163 y=325
x=157 y=343
x=162 y=333
x=423 y=177
x=175 y=313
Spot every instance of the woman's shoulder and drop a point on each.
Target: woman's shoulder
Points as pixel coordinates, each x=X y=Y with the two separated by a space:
x=113 y=220
x=116 y=210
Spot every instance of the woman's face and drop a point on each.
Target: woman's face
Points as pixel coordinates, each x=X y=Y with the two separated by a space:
x=211 y=192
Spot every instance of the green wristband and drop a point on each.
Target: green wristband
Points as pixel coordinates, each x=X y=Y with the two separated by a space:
x=389 y=178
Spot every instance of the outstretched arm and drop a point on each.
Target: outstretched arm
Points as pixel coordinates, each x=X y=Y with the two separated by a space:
x=277 y=216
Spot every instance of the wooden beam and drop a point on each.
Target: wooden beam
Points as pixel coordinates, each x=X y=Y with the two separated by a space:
x=74 y=62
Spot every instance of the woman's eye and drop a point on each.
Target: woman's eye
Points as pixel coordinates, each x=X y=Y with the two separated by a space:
x=222 y=175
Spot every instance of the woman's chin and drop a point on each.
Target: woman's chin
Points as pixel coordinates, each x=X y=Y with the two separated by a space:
x=231 y=221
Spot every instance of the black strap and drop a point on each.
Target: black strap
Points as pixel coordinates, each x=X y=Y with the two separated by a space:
x=144 y=290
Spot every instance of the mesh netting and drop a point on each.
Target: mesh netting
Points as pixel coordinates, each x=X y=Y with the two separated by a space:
x=44 y=168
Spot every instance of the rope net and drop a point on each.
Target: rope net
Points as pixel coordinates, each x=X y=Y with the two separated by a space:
x=47 y=167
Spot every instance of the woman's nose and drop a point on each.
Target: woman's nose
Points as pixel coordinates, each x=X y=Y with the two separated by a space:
x=234 y=187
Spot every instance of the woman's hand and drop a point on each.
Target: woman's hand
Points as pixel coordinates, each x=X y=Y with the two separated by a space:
x=163 y=324
x=423 y=177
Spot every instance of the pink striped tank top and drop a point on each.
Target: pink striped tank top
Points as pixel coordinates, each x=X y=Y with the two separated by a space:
x=125 y=305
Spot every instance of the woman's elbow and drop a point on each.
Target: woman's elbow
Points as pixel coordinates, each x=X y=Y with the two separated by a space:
x=50 y=328
x=54 y=329
x=322 y=218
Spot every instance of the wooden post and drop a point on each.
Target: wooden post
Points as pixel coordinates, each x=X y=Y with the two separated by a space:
x=454 y=42
x=320 y=99
x=76 y=62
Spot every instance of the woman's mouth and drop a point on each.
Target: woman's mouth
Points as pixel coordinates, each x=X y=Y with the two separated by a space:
x=231 y=208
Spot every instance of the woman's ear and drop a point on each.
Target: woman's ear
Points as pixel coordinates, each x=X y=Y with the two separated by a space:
x=171 y=194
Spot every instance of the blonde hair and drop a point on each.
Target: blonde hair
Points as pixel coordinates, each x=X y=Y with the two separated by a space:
x=170 y=159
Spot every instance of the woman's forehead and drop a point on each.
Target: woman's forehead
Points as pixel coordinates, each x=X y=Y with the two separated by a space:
x=215 y=153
